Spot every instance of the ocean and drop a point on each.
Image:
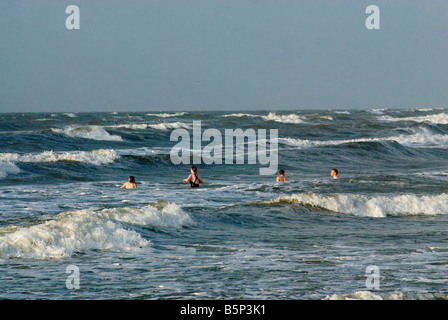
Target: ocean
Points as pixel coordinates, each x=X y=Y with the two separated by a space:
x=241 y=235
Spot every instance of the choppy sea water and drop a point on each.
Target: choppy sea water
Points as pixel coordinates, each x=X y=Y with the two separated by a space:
x=241 y=235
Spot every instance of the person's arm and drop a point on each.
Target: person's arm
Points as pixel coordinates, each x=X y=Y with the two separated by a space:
x=123 y=186
x=278 y=179
x=200 y=179
x=188 y=179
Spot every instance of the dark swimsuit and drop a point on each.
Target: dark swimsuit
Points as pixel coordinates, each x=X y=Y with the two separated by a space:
x=194 y=184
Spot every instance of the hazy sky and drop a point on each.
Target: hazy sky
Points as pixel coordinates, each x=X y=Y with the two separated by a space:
x=221 y=55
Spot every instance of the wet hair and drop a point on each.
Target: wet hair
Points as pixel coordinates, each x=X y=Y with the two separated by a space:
x=282 y=172
x=132 y=179
x=335 y=170
x=195 y=170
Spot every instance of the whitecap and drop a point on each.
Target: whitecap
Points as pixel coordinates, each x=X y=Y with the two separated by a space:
x=371 y=206
x=284 y=118
x=83 y=230
x=167 y=126
x=439 y=118
x=7 y=168
x=87 y=132
x=95 y=157
x=421 y=137
x=166 y=115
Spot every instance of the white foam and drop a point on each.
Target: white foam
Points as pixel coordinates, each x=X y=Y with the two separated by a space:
x=158 y=126
x=421 y=137
x=367 y=295
x=371 y=206
x=326 y=118
x=342 y=112
x=240 y=115
x=284 y=118
x=167 y=126
x=440 y=118
x=7 y=168
x=134 y=126
x=272 y=116
x=95 y=157
x=88 y=132
x=70 y=115
x=376 y=111
x=165 y=215
x=166 y=115
x=84 y=230
x=424 y=109
x=144 y=151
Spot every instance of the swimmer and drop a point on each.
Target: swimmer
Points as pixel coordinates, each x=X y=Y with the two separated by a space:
x=130 y=184
x=194 y=178
x=281 y=176
x=334 y=173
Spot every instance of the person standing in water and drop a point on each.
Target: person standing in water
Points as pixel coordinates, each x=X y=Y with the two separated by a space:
x=281 y=176
x=194 y=178
x=130 y=184
x=334 y=173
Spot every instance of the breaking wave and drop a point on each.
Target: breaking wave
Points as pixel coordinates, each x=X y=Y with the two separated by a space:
x=95 y=157
x=422 y=137
x=365 y=206
x=285 y=118
x=158 y=126
x=367 y=295
x=83 y=230
x=166 y=115
x=272 y=116
x=440 y=118
x=87 y=132
x=7 y=168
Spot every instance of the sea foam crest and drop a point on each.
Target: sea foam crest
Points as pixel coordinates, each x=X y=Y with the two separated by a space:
x=285 y=118
x=7 y=168
x=168 y=125
x=158 y=126
x=95 y=157
x=83 y=230
x=366 y=206
x=272 y=116
x=240 y=115
x=368 y=295
x=440 y=118
x=166 y=115
x=421 y=137
x=87 y=132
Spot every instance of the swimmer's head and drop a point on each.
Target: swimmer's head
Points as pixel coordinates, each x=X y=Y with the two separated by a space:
x=334 y=173
x=131 y=179
x=282 y=172
x=194 y=170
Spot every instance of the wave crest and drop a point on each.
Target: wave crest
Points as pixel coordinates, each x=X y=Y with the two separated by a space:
x=272 y=116
x=84 y=230
x=87 y=132
x=367 y=295
x=95 y=157
x=364 y=206
x=439 y=118
x=421 y=137
x=7 y=168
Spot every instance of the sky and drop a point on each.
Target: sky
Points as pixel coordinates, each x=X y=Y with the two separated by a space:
x=201 y=55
